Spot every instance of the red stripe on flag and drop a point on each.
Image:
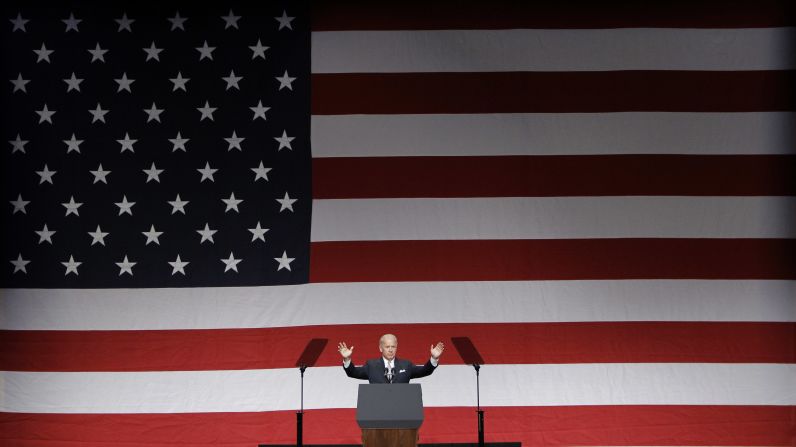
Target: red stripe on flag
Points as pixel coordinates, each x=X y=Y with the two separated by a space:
x=552 y=92
x=546 y=176
x=509 y=343
x=597 y=426
x=507 y=14
x=554 y=259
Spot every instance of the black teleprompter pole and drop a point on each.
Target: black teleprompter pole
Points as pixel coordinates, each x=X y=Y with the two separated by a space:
x=307 y=359
x=479 y=411
x=469 y=354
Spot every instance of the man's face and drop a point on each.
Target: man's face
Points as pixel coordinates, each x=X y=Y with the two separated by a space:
x=388 y=348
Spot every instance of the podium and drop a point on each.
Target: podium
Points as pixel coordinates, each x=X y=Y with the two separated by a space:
x=390 y=414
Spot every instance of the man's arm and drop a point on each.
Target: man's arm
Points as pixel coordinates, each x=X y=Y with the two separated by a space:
x=357 y=372
x=422 y=370
x=431 y=364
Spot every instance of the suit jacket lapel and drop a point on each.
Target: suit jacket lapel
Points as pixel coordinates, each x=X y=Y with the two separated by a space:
x=397 y=368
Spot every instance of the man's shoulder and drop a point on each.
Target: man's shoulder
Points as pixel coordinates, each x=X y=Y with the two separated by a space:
x=403 y=362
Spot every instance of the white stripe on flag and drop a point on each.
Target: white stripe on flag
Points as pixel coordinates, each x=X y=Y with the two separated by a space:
x=552 y=134
x=553 y=218
x=328 y=387
x=552 y=50
x=432 y=302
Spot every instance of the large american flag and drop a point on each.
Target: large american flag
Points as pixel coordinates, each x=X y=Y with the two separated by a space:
x=600 y=196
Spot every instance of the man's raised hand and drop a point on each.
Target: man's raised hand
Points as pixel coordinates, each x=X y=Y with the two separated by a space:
x=436 y=351
x=344 y=350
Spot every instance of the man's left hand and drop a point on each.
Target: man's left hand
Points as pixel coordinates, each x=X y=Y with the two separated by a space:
x=437 y=350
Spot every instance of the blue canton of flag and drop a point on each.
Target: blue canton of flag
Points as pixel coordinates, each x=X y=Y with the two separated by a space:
x=155 y=147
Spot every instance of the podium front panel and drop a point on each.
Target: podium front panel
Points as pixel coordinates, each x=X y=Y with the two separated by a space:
x=393 y=405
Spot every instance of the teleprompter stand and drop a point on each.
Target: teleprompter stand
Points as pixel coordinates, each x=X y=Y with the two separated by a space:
x=307 y=358
x=470 y=355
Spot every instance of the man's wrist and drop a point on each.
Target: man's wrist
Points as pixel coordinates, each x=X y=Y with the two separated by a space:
x=434 y=361
x=346 y=362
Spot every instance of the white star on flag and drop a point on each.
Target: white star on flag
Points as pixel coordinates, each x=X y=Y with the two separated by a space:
x=45 y=115
x=71 y=266
x=284 y=261
x=205 y=51
x=230 y=20
x=179 y=82
x=72 y=144
x=207 y=234
x=285 y=81
x=97 y=54
x=259 y=111
x=260 y=172
x=207 y=173
x=72 y=206
x=284 y=21
x=234 y=141
x=177 y=22
x=153 y=52
x=258 y=232
x=153 y=113
x=232 y=80
x=124 y=83
x=45 y=235
x=43 y=53
x=284 y=141
x=18 y=144
x=19 y=264
x=100 y=175
x=258 y=50
x=19 y=204
x=178 y=266
x=153 y=173
x=178 y=205
x=207 y=111
x=127 y=143
x=46 y=175
x=125 y=266
x=286 y=203
x=231 y=263
x=124 y=23
x=125 y=206
x=179 y=143
x=19 y=83
x=152 y=235
x=73 y=83
x=232 y=203
x=19 y=23
x=71 y=23
x=98 y=113
x=98 y=236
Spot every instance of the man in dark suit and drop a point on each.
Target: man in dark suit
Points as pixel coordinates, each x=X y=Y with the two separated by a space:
x=388 y=368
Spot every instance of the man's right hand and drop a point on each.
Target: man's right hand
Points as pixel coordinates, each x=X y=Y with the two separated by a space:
x=345 y=351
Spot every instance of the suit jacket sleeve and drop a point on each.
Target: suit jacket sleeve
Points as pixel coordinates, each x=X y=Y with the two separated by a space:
x=357 y=372
x=422 y=371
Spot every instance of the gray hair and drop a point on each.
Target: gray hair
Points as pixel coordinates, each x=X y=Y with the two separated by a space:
x=385 y=336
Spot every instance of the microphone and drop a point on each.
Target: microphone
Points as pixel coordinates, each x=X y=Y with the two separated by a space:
x=388 y=374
